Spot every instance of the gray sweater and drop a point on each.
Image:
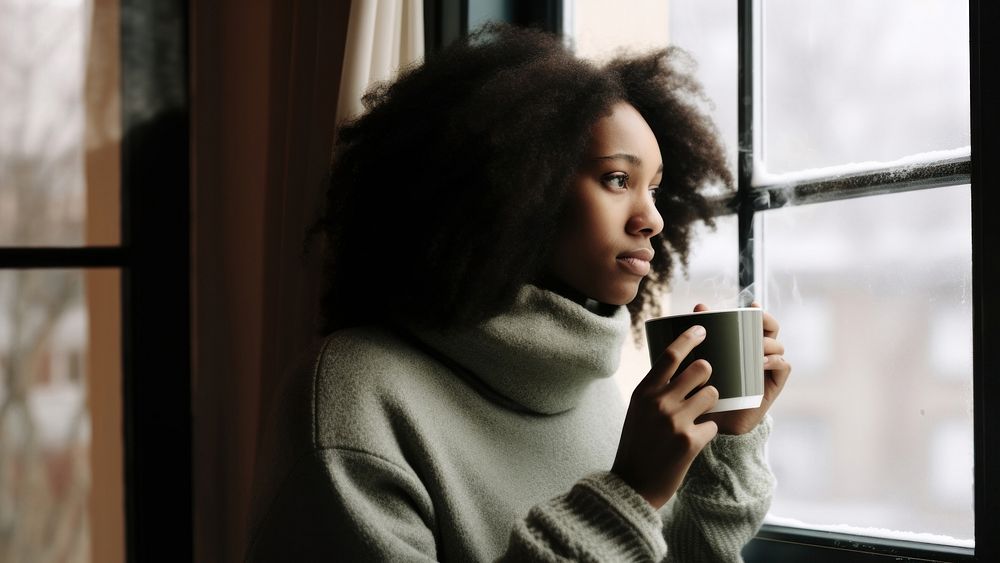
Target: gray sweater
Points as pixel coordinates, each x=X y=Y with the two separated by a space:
x=483 y=444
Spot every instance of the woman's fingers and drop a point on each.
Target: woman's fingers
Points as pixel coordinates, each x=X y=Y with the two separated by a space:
x=777 y=370
x=773 y=347
x=705 y=431
x=660 y=437
x=682 y=385
x=702 y=401
x=688 y=396
x=771 y=325
x=668 y=362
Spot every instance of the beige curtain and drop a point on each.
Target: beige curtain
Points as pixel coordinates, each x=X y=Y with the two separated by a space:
x=266 y=97
x=382 y=37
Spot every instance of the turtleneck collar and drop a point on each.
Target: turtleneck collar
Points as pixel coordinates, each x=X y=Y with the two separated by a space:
x=541 y=354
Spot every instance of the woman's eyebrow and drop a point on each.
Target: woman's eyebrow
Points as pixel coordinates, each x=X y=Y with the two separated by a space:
x=630 y=158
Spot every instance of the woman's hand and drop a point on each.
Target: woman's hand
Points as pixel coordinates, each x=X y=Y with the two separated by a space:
x=661 y=437
x=776 y=371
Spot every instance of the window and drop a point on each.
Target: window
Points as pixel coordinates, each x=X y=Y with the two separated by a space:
x=60 y=344
x=94 y=376
x=854 y=225
x=887 y=242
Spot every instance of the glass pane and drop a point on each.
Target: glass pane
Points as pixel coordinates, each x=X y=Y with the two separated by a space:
x=600 y=29
x=851 y=81
x=711 y=280
x=704 y=28
x=874 y=431
x=59 y=123
x=61 y=485
x=708 y=30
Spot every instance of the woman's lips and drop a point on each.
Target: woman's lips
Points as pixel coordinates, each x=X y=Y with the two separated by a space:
x=636 y=262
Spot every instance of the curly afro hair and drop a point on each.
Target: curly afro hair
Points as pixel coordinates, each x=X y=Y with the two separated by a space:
x=445 y=195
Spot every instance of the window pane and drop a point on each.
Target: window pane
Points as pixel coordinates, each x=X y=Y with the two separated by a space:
x=848 y=81
x=704 y=28
x=874 y=429
x=600 y=29
x=708 y=30
x=59 y=123
x=61 y=485
x=711 y=280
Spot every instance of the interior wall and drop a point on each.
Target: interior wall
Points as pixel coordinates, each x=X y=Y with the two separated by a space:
x=264 y=79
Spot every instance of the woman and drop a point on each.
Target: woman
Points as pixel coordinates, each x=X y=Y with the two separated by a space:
x=495 y=222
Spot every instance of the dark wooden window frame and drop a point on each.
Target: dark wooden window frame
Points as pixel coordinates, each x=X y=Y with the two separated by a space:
x=155 y=280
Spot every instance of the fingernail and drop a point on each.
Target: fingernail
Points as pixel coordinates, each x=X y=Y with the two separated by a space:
x=766 y=359
x=697 y=330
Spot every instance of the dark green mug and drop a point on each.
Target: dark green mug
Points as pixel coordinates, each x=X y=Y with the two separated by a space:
x=733 y=345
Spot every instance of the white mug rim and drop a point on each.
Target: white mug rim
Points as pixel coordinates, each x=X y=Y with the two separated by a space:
x=694 y=313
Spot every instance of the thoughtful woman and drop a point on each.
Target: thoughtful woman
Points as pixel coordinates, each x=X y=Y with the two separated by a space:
x=496 y=222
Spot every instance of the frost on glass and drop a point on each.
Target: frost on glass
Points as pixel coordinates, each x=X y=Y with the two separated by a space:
x=854 y=81
x=874 y=432
x=44 y=419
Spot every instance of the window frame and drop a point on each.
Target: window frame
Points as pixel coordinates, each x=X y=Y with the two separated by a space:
x=156 y=329
x=153 y=263
x=774 y=542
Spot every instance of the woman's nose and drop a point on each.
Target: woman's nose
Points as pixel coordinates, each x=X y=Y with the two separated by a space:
x=645 y=219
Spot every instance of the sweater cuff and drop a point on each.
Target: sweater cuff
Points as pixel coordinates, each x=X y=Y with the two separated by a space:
x=730 y=445
x=732 y=468
x=641 y=518
x=600 y=519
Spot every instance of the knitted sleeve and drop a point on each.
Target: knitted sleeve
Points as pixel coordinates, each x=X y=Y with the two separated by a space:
x=353 y=506
x=723 y=500
x=600 y=519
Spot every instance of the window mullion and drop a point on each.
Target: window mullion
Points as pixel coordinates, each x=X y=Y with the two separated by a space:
x=984 y=58
x=745 y=207
x=898 y=179
x=60 y=257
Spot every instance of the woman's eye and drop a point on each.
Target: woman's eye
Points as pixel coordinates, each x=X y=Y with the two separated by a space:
x=618 y=181
x=654 y=191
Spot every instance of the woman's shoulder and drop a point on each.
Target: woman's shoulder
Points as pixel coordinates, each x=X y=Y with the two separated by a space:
x=369 y=376
x=367 y=356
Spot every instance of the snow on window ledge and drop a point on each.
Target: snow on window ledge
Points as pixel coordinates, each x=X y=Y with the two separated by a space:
x=883 y=533
x=762 y=177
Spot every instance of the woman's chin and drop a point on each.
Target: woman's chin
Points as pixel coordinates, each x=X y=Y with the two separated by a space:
x=621 y=295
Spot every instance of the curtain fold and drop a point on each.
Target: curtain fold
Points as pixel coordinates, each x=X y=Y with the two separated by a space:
x=382 y=37
x=261 y=142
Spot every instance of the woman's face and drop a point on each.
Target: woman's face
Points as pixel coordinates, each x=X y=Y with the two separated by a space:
x=603 y=248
